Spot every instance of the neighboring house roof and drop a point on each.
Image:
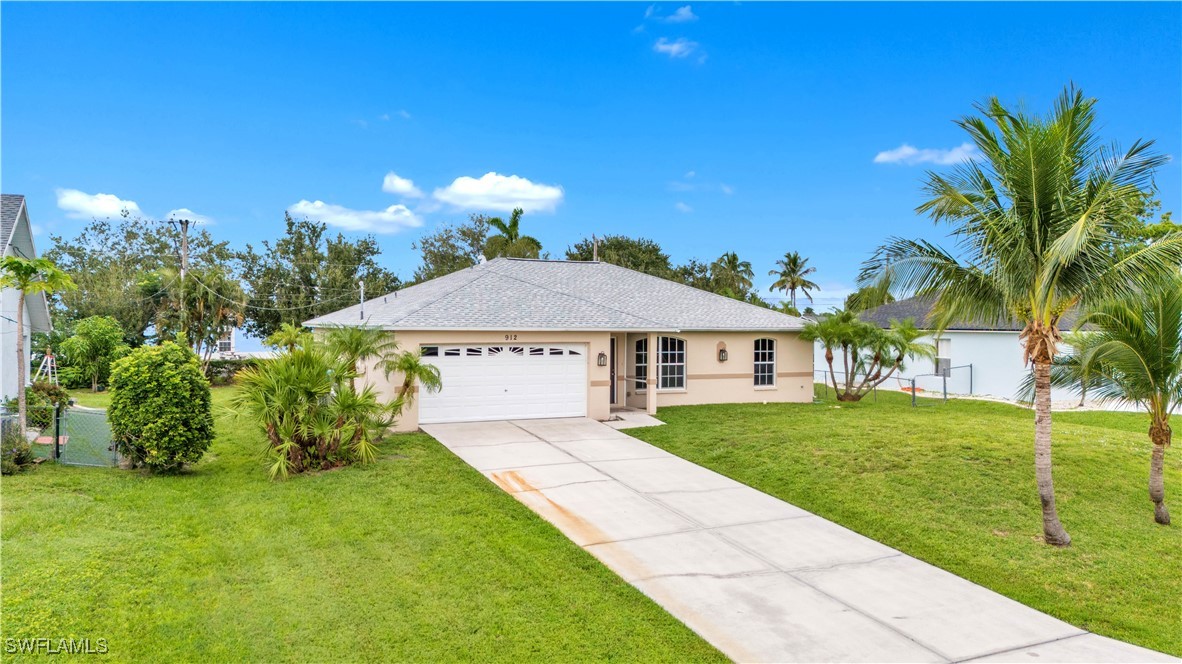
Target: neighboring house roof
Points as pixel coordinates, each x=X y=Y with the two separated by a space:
x=525 y=294
x=919 y=309
x=16 y=237
x=10 y=211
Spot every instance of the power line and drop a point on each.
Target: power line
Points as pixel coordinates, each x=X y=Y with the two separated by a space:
x=260 y=308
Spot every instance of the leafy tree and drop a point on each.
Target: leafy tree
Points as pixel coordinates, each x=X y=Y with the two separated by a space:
x=288 y=336
x=115 y=265
x=201 y=308
x=866 y=350
x=305 y=404
x=509 y=242
x=452 y=248
x=97 y=341
x=731 y=277
x=307 y=273
x=640 y=254
x=29 y=276
x=694 y=273
x=1035 y=221
x=1133 y=352
x=160 y=407
x=792 y=276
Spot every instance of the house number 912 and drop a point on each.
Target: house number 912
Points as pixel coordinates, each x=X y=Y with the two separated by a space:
x=510 y=337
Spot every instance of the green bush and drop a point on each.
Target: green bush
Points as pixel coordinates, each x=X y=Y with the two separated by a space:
x=15 y=453
x=222 y=372
x=39 y=401
x=160 y=407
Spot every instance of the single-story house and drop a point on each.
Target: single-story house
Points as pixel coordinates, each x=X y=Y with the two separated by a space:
x=519 y=339
x=985 y=359
x=16 y=238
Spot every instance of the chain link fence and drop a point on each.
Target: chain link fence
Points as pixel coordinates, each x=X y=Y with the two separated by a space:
x=73 y=435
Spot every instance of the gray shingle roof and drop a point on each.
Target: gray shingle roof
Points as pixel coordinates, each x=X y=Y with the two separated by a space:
x=10 y=210
x=521 y=294
x=919 y=309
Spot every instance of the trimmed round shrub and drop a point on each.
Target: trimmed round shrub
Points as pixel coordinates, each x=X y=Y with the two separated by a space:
x=160 y=407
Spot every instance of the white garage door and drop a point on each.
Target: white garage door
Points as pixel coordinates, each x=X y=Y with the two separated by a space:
x=500 y=382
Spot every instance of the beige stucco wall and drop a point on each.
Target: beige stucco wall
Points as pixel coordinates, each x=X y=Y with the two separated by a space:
x=708 y=380
x=598 y=406
x=733 y=381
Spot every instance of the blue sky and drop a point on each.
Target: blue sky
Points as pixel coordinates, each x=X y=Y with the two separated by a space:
x=708 y=127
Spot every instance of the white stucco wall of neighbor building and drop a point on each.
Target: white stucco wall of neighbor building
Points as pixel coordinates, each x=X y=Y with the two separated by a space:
x=995 y=357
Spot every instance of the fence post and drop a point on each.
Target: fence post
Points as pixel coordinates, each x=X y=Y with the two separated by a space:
x=945 y=388
x=913 y=393
x=970 y=380
x=57 y=431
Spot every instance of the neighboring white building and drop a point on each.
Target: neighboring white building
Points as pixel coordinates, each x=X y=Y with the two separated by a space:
x=985 y=360
x=227 y=349
x=16 y=236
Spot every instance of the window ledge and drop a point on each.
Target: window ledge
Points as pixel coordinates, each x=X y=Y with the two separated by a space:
x=766 y=388
x=672 y=390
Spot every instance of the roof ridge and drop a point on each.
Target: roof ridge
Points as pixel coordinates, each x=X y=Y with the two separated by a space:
x=442 y=295
x=717 y=295
x=583 y=299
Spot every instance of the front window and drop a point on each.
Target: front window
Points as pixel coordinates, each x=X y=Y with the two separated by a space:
x=671 y=363
x=765 y=362
x=642 y=364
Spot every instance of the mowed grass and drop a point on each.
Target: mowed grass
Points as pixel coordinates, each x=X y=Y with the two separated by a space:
x=954 y=485
x=414 y=558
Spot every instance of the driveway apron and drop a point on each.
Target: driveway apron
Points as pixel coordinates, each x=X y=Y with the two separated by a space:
x=760 y=579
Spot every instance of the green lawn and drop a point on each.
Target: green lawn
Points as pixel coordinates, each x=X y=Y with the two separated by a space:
x=954 y=485
x=416 y=557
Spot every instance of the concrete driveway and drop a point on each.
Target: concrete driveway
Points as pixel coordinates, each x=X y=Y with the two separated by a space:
x=760 y=579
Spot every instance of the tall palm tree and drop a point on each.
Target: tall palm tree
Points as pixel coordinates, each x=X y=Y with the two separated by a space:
x=1133 y=352
x=355 y=345
x=1034 y=220
x=509 y=241
x=731 y=276
x=28 y=276
x=792 y=276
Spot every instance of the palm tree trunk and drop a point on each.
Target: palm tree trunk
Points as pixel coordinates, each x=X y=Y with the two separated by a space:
x=21 y=368
x=1052 y=529
x=1160 y=434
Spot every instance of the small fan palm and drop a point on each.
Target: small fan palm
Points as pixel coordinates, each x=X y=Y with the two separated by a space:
x=509 y=242
x=413 y=369
x=792 y=276
x=356 y=345
x=1034 y=220
x=288 y=337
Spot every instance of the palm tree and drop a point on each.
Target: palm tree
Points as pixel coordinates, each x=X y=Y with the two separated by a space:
x=1133 y=352
x=410 y=364
x=791 y=276
x=28 y=276
x=731 y=276
x=355 y=345
x=288 y=337
x=866 y=350
x=510 y=242
x=1034 y=219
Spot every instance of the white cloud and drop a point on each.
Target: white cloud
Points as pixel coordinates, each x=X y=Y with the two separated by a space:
x=682 y=15
x=690 y=174
x=393 y=184
x=81 y=205
x=726 y=189
x=186 y=213
x=391 y=220
x=682 y=207
x=678 y=48
x=493 y=191
x=911 y=155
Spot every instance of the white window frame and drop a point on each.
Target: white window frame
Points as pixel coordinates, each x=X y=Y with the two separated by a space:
x=766 y=363
x=662 y=364
x=640 y=358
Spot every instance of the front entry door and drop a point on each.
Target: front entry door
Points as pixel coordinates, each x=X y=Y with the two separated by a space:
x=612 y=359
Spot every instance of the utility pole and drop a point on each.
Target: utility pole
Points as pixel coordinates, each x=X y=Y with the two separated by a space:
x=594 y=248
x=362 y=285
x=184 y=225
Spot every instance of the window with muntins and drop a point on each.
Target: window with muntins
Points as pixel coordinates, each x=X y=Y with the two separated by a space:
x=671 y=363
x=765 y=362
x=641 y=364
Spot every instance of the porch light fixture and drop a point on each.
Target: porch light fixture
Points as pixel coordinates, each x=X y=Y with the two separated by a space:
x=722 y=356
x=602 y=360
